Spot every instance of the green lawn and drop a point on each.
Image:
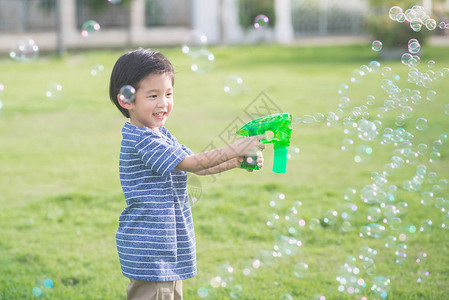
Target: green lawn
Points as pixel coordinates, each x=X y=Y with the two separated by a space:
x=61 y=197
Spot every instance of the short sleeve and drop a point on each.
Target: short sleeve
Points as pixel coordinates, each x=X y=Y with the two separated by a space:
x=186 y=149
x=158 y=155
x=171 y=137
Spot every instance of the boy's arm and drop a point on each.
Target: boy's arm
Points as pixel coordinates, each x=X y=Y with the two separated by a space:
x=226 y=155
x=230 y=164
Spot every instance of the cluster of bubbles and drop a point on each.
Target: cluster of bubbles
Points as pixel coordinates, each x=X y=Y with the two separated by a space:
x=41 y=287
x=381 y=205
x=202 y=61
x=195 y=47
x=24 y=50
x=416 y=17
x=286 y=245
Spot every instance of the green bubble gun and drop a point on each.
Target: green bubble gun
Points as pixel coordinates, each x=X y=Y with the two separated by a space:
x=281 y=126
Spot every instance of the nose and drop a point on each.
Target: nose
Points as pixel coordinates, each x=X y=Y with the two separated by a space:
x=163 y=102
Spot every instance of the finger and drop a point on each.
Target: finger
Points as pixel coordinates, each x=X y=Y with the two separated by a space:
x=260 y=136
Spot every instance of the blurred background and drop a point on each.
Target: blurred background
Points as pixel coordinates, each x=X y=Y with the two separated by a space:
x=55 y=25
x=362 y=212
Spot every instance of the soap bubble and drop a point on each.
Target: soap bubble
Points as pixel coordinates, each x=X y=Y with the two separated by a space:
x=48 y=283
x=286 y=245
x=394 y=13
x=431 y=64
x=127 y=93
x=431 y=24
x=421 y=124
x=445 y=222
x=374 y=214
x=261 y=21
x=374 y=65
x=422 y=276
x=314 y=224
x=202 y=61
x=330 y=217
x=347 y=144
x=2 y=88
x=319 y=117
x=405 y=58
x=431 y=95
x=286 y=297
x=233 y=85
x=372 y=230
x=370 y=100
x=343 y=89
x=37 y=291
x=363 y=154
x=194 y=41
x=89 y=27
x=24 y=50
x=202 y=292
x=236 y=291
x=344 y=102
x=54 y=90
x=97 y=70
x=381 y=286
x=427 y=198
x=435 y=157
x=391 y=242
x=416 y=24
x=376 y=45
x=414 y=46
x=301 y=269
x=421 y=257
x=350 y=194
x=293 y=153
x=446 y=109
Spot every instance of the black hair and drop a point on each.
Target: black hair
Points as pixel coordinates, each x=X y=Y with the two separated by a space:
x=134 y=66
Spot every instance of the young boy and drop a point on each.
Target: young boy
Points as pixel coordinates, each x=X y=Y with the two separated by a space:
x=155 y=238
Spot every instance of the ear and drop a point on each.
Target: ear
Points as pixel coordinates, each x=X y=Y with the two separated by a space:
x=125 y=104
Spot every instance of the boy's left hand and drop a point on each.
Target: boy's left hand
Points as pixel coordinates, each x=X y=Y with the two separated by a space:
x=259 y=161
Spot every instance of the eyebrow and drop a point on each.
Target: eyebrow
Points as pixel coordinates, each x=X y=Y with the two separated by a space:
x=157 y=90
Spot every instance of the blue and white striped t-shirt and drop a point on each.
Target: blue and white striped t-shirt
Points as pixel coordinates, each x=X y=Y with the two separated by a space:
x=155 y=237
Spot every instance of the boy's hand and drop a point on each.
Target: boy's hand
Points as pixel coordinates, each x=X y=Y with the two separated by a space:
x=249 y=146
x=259 y=161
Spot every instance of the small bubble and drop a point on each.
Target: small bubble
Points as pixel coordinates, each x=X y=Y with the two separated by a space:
x=261 y=21
x=89 y=27
x=376 y=45
x=127 y=93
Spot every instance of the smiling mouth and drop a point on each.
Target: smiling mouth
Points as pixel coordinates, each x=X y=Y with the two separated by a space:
x=160 y=115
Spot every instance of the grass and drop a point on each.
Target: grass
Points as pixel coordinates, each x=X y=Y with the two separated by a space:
x=61 y=197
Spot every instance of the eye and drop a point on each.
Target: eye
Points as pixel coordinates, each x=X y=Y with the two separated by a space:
x=169 y=94
x=152 y=96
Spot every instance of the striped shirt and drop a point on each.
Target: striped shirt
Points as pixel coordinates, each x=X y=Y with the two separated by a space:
x=155 y=238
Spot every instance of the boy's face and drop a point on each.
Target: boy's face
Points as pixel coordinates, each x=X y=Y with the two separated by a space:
x=153 y=102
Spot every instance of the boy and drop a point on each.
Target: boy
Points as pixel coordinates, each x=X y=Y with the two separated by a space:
x=155 y=238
